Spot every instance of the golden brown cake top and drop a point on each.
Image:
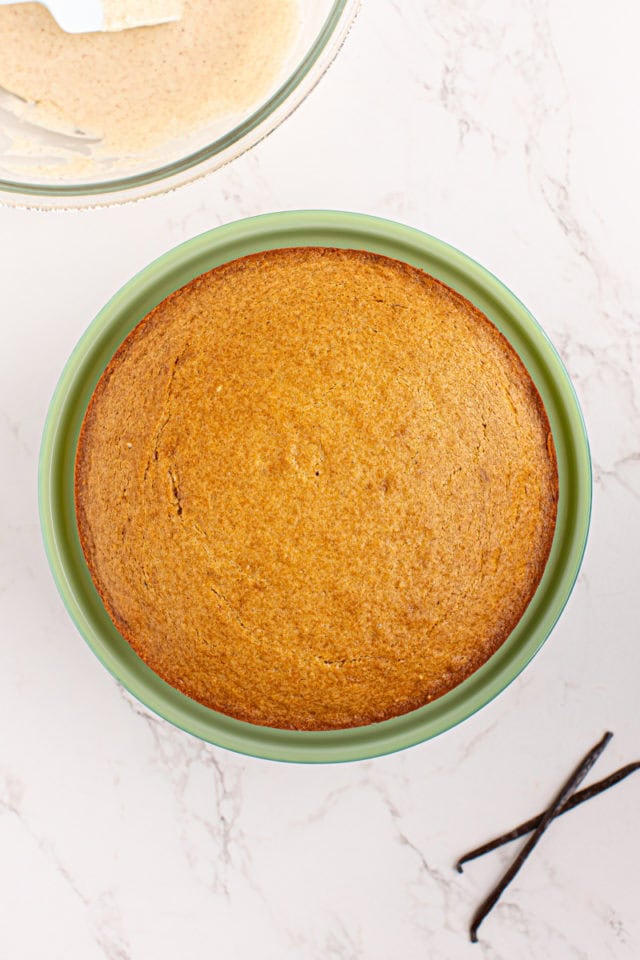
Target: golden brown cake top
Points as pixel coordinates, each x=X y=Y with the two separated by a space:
x=315 y=488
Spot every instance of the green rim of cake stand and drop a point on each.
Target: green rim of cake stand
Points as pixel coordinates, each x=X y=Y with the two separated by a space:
x=173 y=270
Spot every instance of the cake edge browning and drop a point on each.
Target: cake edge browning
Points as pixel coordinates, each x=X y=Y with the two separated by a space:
x=490 y=646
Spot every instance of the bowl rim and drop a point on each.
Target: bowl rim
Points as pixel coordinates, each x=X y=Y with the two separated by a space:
x=242 y=137
x=319 y=228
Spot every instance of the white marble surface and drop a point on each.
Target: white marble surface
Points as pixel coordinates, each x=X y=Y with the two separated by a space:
x=509 y=128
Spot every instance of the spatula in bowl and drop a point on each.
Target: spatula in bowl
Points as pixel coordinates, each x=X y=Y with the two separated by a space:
x=91 y=16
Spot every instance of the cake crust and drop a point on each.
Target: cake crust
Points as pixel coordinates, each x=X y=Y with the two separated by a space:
x=315 y=488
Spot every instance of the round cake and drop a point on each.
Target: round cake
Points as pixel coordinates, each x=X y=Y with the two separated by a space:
x=315 y=488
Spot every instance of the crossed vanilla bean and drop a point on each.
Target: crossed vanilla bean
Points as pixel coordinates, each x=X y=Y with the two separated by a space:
x=556 y=807
x=574 y=801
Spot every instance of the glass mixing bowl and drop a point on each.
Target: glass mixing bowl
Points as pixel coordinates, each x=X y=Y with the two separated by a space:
x=39 y=167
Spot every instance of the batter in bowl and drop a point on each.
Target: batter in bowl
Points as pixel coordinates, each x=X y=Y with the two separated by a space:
x=134 y=90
